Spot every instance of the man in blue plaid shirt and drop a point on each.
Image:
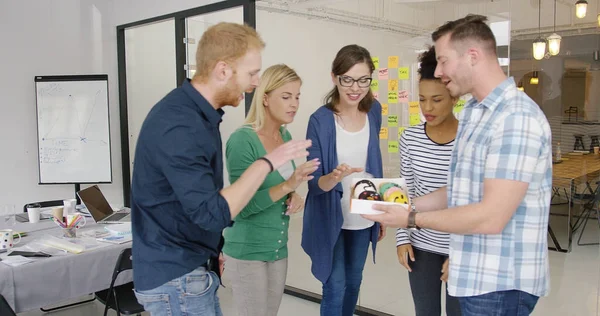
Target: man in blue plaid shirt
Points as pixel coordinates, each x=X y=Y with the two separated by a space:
x=497 y=201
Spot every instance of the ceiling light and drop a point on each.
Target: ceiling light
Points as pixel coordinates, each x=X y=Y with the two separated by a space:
x=539 y=48
x=581 y=8
x=534 y=79
x=554 y=44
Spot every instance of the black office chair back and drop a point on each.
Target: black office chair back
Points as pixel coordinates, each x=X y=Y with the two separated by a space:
x=5 y=309
x=45 y=204
x=123 y=263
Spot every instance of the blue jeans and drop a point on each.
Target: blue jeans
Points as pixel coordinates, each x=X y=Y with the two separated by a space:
x=504 y=303
x=340 y=292
x=192 y=294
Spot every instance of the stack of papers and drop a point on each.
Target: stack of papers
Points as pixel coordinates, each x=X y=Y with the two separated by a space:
x=15 y=261
x=54 y=242
x=114 y=239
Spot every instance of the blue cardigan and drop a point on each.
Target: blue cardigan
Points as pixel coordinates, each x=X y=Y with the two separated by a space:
x=323 y=217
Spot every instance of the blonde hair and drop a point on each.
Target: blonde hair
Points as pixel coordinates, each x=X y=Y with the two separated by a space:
x=224 y=42
x=273 y=78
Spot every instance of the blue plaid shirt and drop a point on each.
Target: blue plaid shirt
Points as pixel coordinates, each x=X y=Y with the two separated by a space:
x=506 y=136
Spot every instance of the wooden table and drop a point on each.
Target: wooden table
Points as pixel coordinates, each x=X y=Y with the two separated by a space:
x=568 y=175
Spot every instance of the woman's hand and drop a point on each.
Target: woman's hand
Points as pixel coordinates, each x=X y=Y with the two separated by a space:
x=405 y=251
x=301 y=174
x=343 y=171
x=295 y=204
x=381 y=232
x=445 y=270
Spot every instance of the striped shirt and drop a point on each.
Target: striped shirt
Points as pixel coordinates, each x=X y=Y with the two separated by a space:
x=424 y=165
x=505 y=136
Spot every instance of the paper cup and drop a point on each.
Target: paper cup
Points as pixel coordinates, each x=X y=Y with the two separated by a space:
x=34 y=214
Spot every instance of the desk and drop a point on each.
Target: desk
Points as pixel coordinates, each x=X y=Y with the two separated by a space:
x=61 y=277
x=568 y=175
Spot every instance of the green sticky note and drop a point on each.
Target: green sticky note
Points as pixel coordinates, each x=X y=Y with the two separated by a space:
x=415 y=119
x=403 y=73
x=393 y=146
x=375 y=85
x=400 y=131
x=458 y=107
x=393 y=97
x=392 y=120
x=376 y=62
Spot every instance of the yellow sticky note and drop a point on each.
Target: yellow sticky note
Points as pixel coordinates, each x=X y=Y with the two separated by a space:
x=393 y=62
x=400 y=131
x=392 y=97
x=403 y=73
x=384 y=109
x=413 y=107
x=393 y=146
x=458 y=107
x=415 y=119
x=383 y=133
x=374 y=85
x=376 y=62
x=392 y=120
x=392 y=85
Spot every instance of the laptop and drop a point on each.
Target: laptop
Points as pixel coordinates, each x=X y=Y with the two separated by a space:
x=101 y=212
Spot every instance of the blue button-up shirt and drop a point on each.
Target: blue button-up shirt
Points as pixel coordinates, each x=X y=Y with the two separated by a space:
x=177 y=211
x=505 y=136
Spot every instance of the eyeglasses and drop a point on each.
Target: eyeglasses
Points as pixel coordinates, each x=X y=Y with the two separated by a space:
x=346 y=81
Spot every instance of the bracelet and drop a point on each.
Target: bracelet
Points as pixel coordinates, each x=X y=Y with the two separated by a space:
x=268 y=161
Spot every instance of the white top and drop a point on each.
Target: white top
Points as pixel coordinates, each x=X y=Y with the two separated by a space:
x=352 y=150
x=286 y=170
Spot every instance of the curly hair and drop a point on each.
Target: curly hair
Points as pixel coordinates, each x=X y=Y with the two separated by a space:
x=428 y=65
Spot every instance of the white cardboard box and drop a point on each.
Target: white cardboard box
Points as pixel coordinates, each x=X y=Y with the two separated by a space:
x=382 y=185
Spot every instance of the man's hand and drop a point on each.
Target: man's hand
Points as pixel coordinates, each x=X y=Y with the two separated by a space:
x=445 y=270
x=289 y=151
x=393 y=215
x=295 y=203
x=404 y=252
x=382 y=232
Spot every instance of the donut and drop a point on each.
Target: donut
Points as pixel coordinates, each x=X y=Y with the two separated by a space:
x=369 y=195
x=391 y=190
x=397 y=197
x=386 y=186
x=363 y=186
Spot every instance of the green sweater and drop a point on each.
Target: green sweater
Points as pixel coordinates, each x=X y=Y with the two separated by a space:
x=260 y=231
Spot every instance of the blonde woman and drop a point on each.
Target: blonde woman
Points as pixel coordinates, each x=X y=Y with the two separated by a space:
x=256 y=245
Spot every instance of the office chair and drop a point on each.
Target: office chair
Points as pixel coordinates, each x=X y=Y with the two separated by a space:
x=44 y=204
x=589 y=208
x=120 y=298
x=5 y=309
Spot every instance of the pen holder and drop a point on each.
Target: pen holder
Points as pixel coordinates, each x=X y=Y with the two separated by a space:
x=70 y=232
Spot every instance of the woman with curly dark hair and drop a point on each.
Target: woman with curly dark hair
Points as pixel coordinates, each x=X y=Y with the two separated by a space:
x=425 y=152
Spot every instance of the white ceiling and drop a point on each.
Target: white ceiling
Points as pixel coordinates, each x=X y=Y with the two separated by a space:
x=428 y=14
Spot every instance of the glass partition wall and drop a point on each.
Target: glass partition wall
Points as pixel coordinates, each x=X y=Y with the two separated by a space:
x=155 y=55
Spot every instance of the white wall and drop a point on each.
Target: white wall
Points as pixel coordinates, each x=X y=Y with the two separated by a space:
x=59 y=37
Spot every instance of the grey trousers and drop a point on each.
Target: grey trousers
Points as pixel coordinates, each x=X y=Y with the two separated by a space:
x=257 y=285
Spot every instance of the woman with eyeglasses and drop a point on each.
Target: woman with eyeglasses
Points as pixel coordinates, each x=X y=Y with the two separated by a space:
x=345 y=138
